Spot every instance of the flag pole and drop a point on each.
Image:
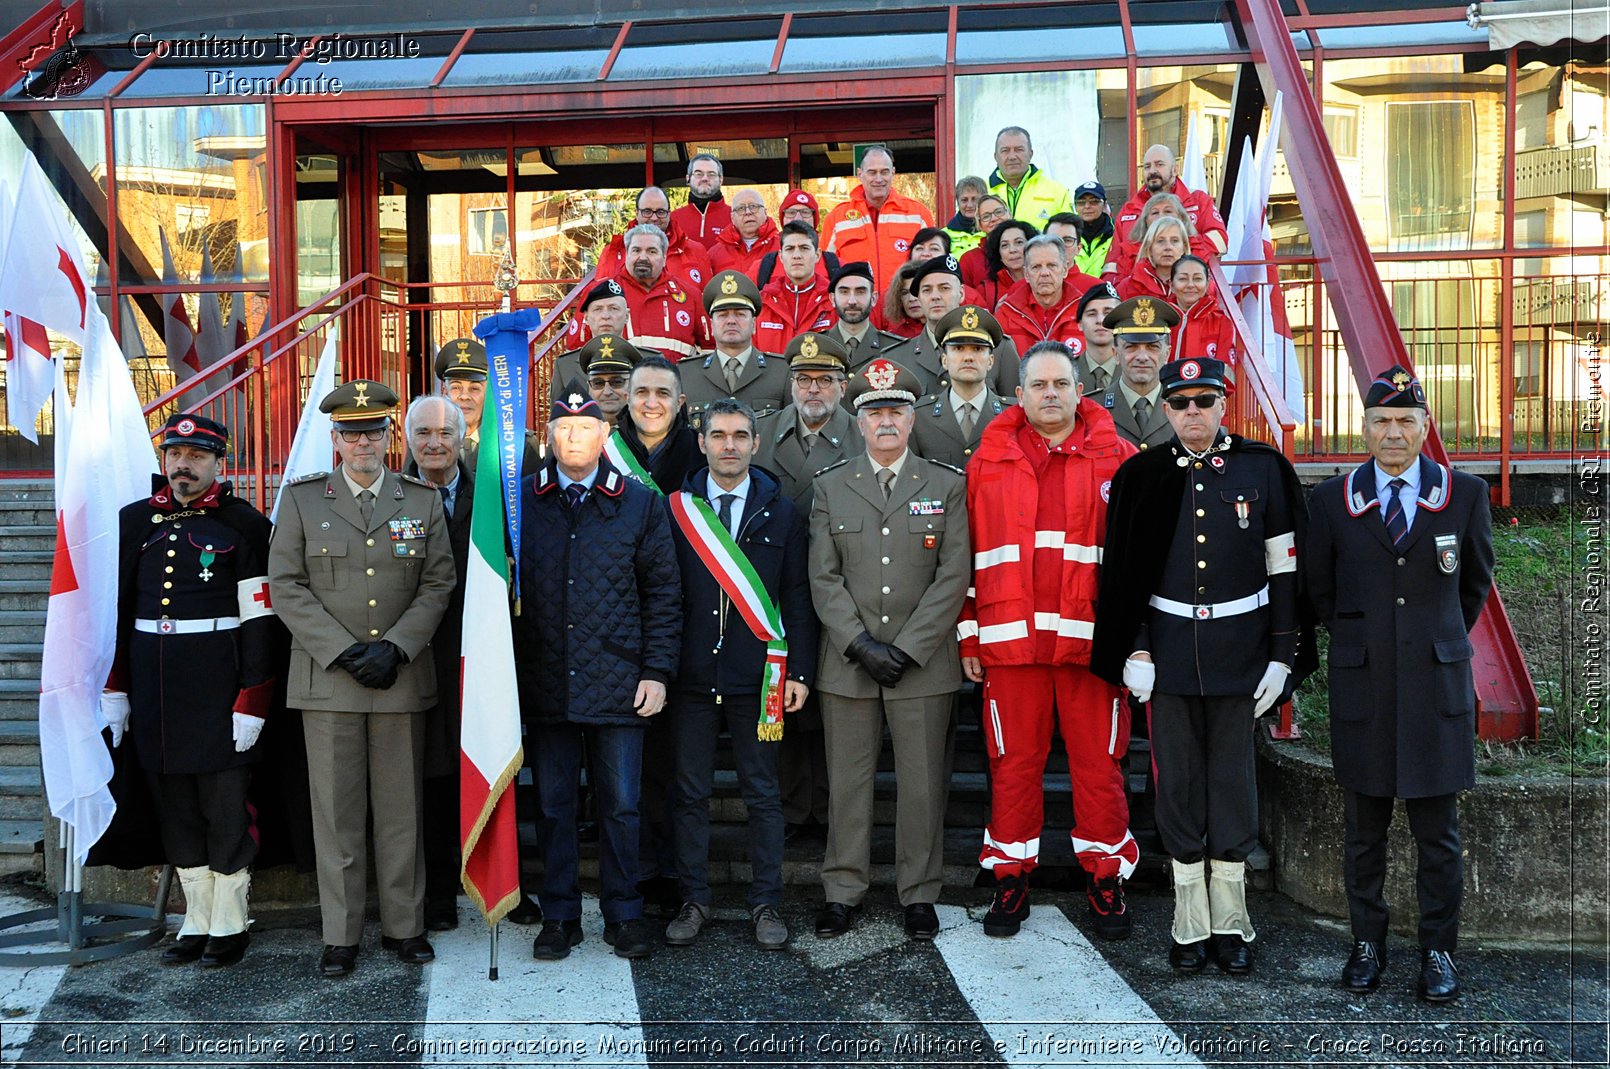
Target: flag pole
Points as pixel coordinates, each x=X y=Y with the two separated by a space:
x=506 y=279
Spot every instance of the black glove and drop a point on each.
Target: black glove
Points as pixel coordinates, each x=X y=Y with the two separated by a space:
x=350 y=655
x=882 y=662
x=377 y=666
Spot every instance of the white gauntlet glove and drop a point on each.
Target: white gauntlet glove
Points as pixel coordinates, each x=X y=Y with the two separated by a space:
x=247 y=728
x=115 y=711
x=1140 y=677
x=1269 y=688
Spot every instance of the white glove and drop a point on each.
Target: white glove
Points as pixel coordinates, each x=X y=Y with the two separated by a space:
x=1269 y=688
x=115 y=711
x=247 y=728
x=1140 y=677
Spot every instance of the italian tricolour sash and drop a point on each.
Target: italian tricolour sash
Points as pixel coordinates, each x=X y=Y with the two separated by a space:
x=737 y=578
x=624 y=460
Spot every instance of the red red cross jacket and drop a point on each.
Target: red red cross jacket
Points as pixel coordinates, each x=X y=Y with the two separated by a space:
x=667 y=316
x=1205 y=330
x=1026 y=322
x=1000 y=616
x=786 y=313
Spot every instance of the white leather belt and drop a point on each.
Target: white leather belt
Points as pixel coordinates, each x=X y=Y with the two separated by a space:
x=187 y=627
x=1212 y=612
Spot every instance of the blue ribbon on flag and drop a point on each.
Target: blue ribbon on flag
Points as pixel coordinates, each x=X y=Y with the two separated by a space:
x=507 y=337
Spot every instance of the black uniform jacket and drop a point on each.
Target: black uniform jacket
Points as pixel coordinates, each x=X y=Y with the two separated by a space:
x=676 y=458
x=720 y=654
x=1402 y=698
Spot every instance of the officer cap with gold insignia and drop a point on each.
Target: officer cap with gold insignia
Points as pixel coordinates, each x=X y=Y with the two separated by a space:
x=1395 y=387
x=1197 y=371
x=731 y=289
x=969 y=323
x=1143 y=319
x=608 y=352
x=819 y=352
x=574 y=400
x=199 y=431
x=360 y=405
x=884 y=384
x=462 y=358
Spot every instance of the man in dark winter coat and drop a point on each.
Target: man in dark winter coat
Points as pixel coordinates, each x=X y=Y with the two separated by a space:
x=595 y=645
x=194 y=674
x=1400 y=562
x=653 y=442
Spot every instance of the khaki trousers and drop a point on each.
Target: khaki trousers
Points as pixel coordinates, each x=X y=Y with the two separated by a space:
x=922 y=730
x=360 y=764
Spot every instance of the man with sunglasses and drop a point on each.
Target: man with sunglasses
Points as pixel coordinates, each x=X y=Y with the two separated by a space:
x=360 y=569
x=1199 y=616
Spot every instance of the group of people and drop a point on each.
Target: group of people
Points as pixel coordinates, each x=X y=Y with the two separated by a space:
x=757 y=514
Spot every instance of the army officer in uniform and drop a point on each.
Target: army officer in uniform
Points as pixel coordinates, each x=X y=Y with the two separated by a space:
x=815 y=431
x=461 y=365
x=361 y=570
x=736 y=368
x=951 y=421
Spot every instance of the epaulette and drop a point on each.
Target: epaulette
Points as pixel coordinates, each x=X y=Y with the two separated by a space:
x=694 y=356
x=830 y=467
x=942 y=464
x=311 y=477
x=416 y=480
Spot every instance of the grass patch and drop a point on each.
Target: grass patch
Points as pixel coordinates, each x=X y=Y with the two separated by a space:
x=1539 y=563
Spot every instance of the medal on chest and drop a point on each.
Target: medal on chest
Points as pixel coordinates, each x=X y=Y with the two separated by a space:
x=207 y=557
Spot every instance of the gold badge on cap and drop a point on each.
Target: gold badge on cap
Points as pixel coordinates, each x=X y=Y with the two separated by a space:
x=809 y=348
x=880 y=374
x=1401 y=380
x=463 y=352
x=729 y=285
x=1145 y=315
x=970 y=318
x=363 y=397
x=606 y=347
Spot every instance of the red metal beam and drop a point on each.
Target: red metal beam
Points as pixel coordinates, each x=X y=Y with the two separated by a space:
x=614 y=51
x=452 y=57
x=1507 y=700
x=782 y=43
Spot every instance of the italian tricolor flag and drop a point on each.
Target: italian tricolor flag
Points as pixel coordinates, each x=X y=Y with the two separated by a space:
x=489 y=737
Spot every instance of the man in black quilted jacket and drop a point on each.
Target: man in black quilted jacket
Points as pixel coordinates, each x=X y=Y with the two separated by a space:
x=596 y=641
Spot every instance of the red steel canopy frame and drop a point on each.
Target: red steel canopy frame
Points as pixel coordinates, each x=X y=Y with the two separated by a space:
x=1507 y=707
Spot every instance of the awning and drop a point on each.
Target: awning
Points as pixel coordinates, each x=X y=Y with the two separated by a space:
x=1540 y=22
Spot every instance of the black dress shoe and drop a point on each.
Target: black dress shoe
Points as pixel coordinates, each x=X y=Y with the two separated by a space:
x=662 y=894
x=1364 y=966
x=1188 y=957
x=225 y=950
x=441 y=916
x=1232 y=954
x=553 y=943
x=835 y=919
x=527 y=912
x=629 y=938
x=921 y=920
x=337 y=961
x=185 y=949
x=1439 y=980
x=415 y=950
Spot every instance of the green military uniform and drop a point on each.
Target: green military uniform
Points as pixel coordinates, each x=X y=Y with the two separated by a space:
x=339 y=581
x=783 y=449
x=1140 y=319
x=939 y=433
x=893 y=569
x=762 y=379
x=921 y=356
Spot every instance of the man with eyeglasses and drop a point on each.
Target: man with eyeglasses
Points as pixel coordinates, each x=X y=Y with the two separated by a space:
x=360 y=570
x=797 y=206
x=609 y=361
x=1140 y=330
x=751 y=237
x=685 y=257
x=1199 y=616
x=705 y=217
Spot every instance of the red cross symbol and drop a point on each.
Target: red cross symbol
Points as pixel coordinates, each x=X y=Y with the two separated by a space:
x=262 y=597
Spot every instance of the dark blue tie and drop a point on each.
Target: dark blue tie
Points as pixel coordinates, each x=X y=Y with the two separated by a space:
x=1397 y=523
x=447 y=501
x=726 y=510
x=574 y=493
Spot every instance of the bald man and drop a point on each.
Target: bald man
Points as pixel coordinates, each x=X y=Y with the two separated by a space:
x=1160 y=174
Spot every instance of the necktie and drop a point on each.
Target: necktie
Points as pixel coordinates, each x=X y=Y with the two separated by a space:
x=1143 y=408
x=447 y=501
x=967 y=420
x=851 y=345
x=725 y=516
x=885 y=480
x=1098 y=378
x=1397 y=523
x=731 y=373
x=366 y=505
x=808 y=442
x=573 y=495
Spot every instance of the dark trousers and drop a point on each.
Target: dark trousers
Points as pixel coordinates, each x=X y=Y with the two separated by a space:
x=1202 y=760
x=1439 y=882
x=204 y=819
x=656 y=850
x=615 y=761
x=803 y=766
x=442 y=842
x=696 y=723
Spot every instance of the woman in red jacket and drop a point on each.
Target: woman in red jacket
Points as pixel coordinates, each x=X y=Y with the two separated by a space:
x=1003 y=250
x=899 y=312
x=1205 y=329
x=1161 y=204
x=1166 y=240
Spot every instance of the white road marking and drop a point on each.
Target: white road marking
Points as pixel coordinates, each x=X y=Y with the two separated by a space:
x=24 y=992
x=1048 y=998
x=579 y=1011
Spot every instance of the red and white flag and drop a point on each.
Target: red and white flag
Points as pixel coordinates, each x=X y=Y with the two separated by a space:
x=184 y=360
x=30 y=373
x=104 y=460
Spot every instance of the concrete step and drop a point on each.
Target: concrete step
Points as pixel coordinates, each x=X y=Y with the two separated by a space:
x=32 y=513
x=26 y=594
x=21 y=836
x=19 y=743
x=22 y=625
x=27 y=536
x=20 y=660
x=22 y=789
x=19 y=699
x=26 y=564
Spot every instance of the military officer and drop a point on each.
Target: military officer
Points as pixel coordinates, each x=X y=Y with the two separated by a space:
x=815 y=431
x=461 y=366
x=1199 y=615
x=853 y=297
x=1400 y=563
x=938 y=285
x=889 y=569
x=609 y=360
x=951 y=421
x=194 y=673
x=736 y=368
x=1141 y=331
x=361 y=570
x=1098 y=364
